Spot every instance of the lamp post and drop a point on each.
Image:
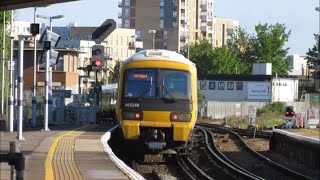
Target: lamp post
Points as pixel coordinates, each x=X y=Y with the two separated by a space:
x=134 y=38
x=317 y=64
x=152 y=32
x=50 y=68
x=3 y=56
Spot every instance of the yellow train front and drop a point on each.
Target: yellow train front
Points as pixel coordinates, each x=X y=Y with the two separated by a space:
x=157 y=100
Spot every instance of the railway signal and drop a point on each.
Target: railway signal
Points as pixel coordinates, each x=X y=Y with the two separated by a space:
x=289 y=111
x=97 y=57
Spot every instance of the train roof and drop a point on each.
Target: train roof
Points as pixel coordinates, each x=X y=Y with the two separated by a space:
x=158 y=54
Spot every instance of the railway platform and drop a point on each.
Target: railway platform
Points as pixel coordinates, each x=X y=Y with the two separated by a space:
x=299 y=144
x=65 y=153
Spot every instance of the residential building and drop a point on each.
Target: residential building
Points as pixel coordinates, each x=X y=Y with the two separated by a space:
x=223 y=29
x=297 y=65
x=119 y=45
x=176 y=22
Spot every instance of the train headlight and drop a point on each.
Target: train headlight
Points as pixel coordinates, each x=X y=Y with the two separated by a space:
x=184 y=117
x=132 y=115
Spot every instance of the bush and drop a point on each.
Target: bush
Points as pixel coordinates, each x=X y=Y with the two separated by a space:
x=272 y=108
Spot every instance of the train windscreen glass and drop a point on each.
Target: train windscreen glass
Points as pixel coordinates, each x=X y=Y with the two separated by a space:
x=140 y=83
x=175 y=84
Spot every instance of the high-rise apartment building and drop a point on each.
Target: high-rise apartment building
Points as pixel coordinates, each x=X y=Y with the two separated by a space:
x=176 y=22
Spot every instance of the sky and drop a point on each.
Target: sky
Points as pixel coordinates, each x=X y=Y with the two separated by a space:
x=299 y=16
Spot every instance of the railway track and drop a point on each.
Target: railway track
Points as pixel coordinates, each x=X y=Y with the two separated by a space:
x=250 y=159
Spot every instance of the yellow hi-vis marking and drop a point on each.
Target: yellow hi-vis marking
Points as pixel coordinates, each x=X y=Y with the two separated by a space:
x=313 y=131
x=49 y=159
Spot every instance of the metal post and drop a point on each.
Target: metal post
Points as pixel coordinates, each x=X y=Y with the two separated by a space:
x=34 y=97
x=20 y=88
x=10 y=101
x=50 y=84
x=153 y=40
x=3 y=56
x=46 y=97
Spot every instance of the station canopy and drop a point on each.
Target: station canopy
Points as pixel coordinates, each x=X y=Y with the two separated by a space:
x=6 y=5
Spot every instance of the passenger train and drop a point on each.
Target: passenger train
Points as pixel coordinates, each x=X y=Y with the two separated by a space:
x=157 y=101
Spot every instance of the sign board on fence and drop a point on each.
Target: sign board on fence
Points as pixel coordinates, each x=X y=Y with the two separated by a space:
x=299 y=120
x=252 y=115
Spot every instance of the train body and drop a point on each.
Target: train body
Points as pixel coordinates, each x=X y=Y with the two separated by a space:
x=157 y=100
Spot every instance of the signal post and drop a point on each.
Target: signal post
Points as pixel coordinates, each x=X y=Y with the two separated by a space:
x=98 y=53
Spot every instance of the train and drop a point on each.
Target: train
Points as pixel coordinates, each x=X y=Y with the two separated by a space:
x=157 y=101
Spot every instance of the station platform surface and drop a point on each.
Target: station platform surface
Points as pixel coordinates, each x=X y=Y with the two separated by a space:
x=311 y=135
x=63 y=153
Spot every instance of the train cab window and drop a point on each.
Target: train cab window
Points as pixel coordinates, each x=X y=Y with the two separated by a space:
x=175 y=84
x=140 y=83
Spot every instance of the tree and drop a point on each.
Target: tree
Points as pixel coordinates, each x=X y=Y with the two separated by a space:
x=312 y=55
x=269 y=47
x=6 y=46
x=201 y=53
x=225 y=61
x=114 y=74
x=266 y=47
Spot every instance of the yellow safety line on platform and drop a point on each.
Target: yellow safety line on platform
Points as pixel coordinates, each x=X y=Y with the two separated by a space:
x=313 y=131
x=49 y=159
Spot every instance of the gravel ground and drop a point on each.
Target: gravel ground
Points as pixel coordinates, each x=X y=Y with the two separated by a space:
x=262 y=146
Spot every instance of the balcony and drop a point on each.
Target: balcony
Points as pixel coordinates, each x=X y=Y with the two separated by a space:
x=132 y=45
x=183 y=5
x=120 y=4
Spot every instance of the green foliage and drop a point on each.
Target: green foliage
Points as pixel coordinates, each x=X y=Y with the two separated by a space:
x=312 y=55
x=267 y=46
x=276 y=108
x=6 y=46
x=114 y=74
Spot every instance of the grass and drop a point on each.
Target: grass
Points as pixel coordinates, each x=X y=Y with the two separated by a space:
x=267 y=117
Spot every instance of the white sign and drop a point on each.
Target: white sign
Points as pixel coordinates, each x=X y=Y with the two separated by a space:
x=13 y=65
x=252 y=115
x=259 y=90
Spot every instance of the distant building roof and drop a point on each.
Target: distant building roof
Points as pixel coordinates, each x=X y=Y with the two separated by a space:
x=236 y=77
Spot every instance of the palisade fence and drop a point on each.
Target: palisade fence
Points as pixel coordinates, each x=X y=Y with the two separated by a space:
x=222 y=109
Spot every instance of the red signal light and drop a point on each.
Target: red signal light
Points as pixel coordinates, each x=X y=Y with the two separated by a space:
x=287 y=112
x=137 y=115
x=97 y=63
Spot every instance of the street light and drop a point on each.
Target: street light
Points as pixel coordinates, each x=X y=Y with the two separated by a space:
x=50 y=68
x=317 y=66
x=152 y=32
x=134 y=41
x=50 y=18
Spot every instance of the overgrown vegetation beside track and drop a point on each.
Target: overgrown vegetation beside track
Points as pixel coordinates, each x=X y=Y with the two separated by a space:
x=267 y=117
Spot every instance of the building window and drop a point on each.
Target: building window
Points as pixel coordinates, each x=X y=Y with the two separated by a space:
x=126 y=12
x=138 y=33
x=212 y=85
x=161 y=2
x=203 y=85
x=165 y=45
x=220 y=85
x=127 y=2
x=127 y=23
x=165 y=34
x=161 y=12
x=230 y=85
x=161 y=23
x=239 y=85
